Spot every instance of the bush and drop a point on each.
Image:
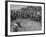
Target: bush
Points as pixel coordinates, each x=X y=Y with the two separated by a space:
x=28 y=12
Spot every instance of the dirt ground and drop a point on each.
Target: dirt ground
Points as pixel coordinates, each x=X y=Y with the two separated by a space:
x=28 y=25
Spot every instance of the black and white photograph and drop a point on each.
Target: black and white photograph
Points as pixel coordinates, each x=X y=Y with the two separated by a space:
x=25 y=18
